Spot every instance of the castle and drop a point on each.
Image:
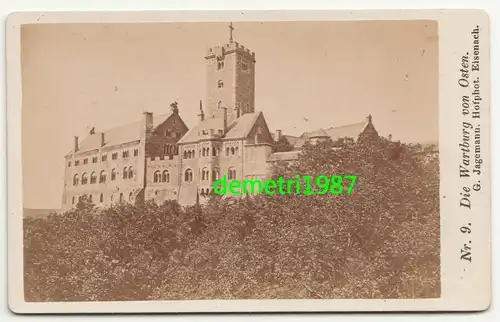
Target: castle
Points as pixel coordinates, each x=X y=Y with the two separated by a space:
x=159 y=158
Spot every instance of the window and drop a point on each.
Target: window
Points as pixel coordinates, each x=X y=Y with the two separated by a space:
x=130 y=173
x=125 y=173
x=93 y=178
x=236 y=150
x=101 y=198
x=165 y=177
x=156 y=176
x=85 y=161
x=114 y=156
x=205 y=174
x=84 y=178
x=188 y=175
x=220 y=84
x=94 y=160
x=113 y=174
x=232 y=150
x=185 y=155
x=219 y=105
x=214 y=152
x=75 y=180
x=69 y=164
x=121 y=197
x=227 y=151
x=244 y=65
x=73 y=200
x=130 y=197
x=220 y=64
x=231 y=173
x=215 y=174
x=104 y=157
x=90 y=197
x=136 y=152
x=177 y=134
x=247 y=107
x=125 y=154
x=77 y=162
x=102 y=177
x=167 y=132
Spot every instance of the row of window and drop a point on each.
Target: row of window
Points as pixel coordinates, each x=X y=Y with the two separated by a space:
x=164 y=176
x=101 y=198
x=104 y=157
x=243 y=64
x=128 y=173
x=205 y=152
x=172 y=134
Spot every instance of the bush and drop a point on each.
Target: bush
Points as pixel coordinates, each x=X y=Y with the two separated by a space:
x=381 y=241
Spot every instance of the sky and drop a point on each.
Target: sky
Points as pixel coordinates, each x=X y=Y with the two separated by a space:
x=309 y=75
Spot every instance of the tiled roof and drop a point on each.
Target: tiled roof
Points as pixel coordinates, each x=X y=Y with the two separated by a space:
x=290 y=138
x=335 y=133
x=202 y=130
x=118 y=135
x=242 y=126
x=237 y=130
x=284 y=156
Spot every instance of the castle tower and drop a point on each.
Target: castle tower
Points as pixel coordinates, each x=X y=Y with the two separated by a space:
x=230 y=80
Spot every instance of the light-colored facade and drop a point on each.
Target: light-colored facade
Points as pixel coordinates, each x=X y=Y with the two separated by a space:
x=160 y=159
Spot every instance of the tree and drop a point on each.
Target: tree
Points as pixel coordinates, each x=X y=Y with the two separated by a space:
x=283 y=145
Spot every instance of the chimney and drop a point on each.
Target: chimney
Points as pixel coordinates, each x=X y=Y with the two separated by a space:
x=148 y=122
x=76 y=144
x=278 y=135
x=103 y=142
x=201 y=115
x=225 y=120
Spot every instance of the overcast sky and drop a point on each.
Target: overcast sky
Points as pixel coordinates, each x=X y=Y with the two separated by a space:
x=309 y=75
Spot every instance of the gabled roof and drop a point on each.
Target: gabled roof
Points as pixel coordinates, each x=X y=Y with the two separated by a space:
x=335 y=133
x=202 y=130
x=239 y=129
x=290 y=138
x=284 y=156
x=242 y=126
x=118 y=135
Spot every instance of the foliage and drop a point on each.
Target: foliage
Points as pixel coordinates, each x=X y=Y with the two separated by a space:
x=283 y=145
x=381 y=241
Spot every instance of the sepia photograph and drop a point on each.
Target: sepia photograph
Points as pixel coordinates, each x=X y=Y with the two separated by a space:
x=231 y=160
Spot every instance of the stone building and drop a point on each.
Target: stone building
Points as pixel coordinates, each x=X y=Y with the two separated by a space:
x=159 y=158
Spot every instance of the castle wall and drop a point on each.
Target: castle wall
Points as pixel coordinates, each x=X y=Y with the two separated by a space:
x=111 y=190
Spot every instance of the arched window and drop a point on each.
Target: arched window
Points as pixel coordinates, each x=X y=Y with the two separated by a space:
x=75 y=180
x=113 y=174
x=215 y=174
x=102 y=177
x=125 y=173
x=130 y=196
x=185 y=155
x=156 y=176
x=93 y=178
x=84 y=178
x=219 y=105
x=164 y=149
x=231 y=173
x=227 y=151
x=90 y=197
x=101 y=199
x=130 y=173
x=188 y=175
x=232 y=150
x=205 y=174
x=73 y=200
x=121 y=197
x=165 y=177
x=236 y=150
x=220 y=84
